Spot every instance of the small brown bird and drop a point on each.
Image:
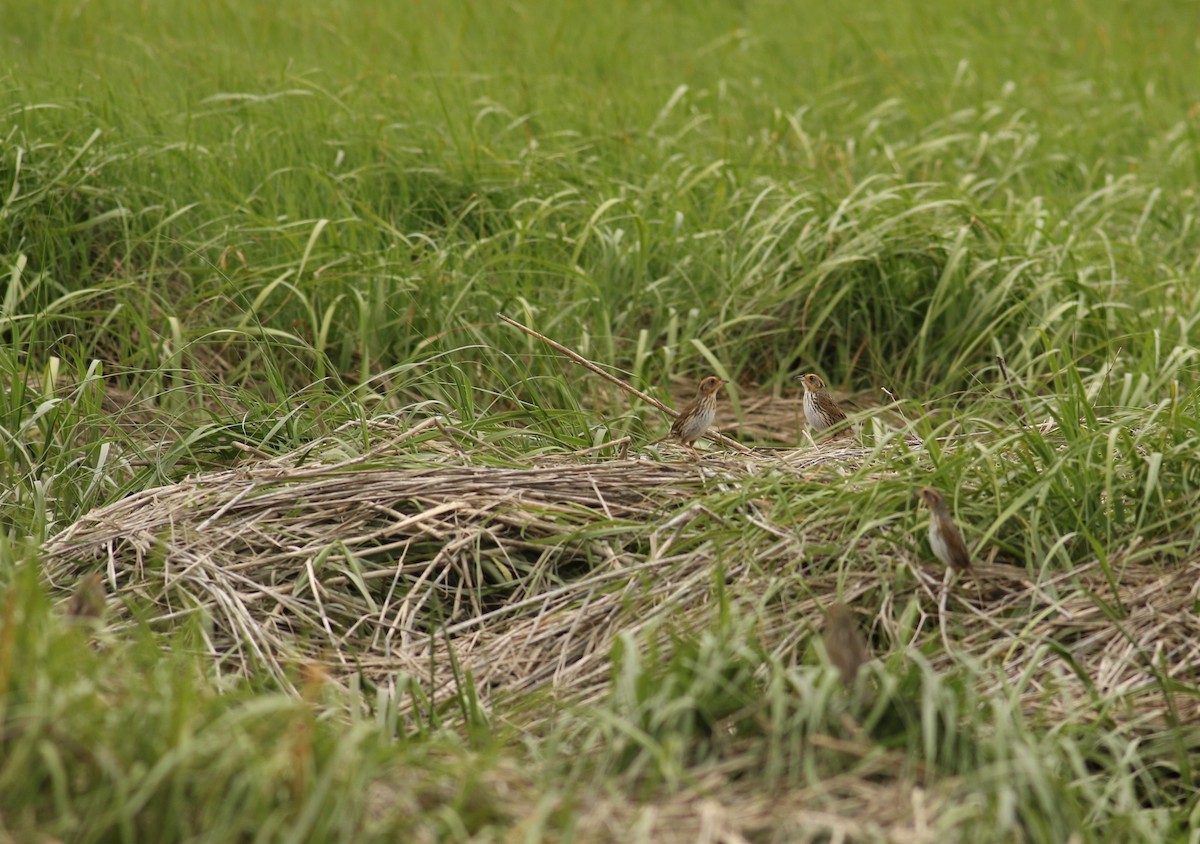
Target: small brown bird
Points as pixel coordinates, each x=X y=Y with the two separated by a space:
x=844 y=644
x=821 y=411
x=87 y=601
x=695 y=419
x=944 y=536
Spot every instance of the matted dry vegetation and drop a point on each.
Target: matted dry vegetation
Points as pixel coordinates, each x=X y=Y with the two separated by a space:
x=415 y=558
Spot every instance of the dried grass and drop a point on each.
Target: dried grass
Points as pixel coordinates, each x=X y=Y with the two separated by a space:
x=526 y=575
x=376 y=567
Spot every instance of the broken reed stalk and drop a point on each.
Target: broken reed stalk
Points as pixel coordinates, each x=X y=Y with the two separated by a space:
x=1012 y=392
x=629 y=388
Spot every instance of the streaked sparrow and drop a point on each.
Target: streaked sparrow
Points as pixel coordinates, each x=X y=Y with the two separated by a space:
x=697 y=417
x=844 y=644
x=821 y=411
x=944 y=536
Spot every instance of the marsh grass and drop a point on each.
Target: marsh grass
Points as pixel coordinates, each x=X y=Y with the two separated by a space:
x=251 y=259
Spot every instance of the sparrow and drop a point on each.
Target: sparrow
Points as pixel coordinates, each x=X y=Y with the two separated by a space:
x=697 y=417
x=944 y=536
x=87 y=601
x=821 y=411
x=844 y=644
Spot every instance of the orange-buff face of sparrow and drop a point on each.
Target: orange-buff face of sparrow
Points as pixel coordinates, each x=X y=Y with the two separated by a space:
x=844 y=644
x=695 y=419
x=944 y=536
x=821 y=411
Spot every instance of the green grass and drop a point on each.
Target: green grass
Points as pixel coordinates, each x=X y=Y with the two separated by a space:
x=230 y=224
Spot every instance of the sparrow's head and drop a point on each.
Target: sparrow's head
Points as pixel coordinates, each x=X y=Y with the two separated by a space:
x=812 y=382
x=839 y=615
x=930 y=496
x=710 y=385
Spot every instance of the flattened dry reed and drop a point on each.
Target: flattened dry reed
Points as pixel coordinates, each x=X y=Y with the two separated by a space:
x=526 y=575
x=379 y=564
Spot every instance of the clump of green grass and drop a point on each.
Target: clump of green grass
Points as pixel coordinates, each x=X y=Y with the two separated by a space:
x=111 y=736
